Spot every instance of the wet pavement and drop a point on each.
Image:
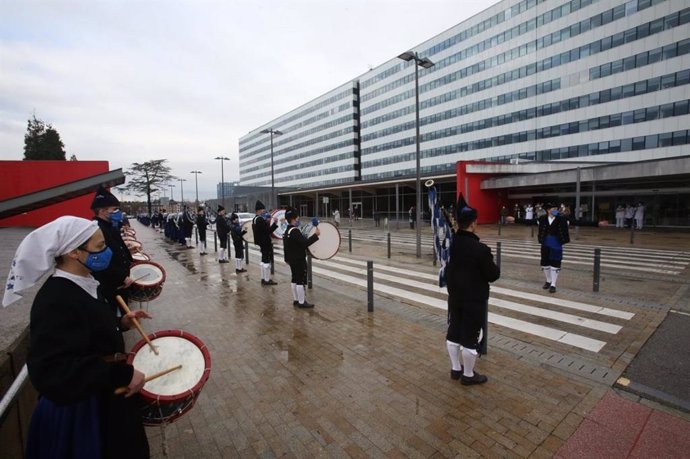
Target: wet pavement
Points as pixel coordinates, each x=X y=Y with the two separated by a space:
x=337 y=381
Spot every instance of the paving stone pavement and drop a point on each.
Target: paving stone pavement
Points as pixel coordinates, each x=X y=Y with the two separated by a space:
x=337 y=381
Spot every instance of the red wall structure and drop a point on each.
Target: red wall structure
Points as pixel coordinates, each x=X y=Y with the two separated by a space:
x=22 y=177
x=487 y=202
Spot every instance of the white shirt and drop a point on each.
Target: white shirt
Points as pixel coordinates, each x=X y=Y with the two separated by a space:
x=89 y=284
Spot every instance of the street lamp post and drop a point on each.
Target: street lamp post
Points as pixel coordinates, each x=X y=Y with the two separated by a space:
x=222 y=178
x=273 y=132
x=172 y=198
x=426 y=63
x=182 y=189
x=196 y=185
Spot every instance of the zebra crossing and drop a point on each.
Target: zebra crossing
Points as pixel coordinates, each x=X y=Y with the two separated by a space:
x=652 y=261
x=580 y=325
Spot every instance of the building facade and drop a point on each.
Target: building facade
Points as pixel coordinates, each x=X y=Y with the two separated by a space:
x=525 y=80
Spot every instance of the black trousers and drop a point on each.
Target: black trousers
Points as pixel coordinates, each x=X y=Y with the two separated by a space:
x=465 y=321
x=298 y=269
x=266 y=253
x=223 y=240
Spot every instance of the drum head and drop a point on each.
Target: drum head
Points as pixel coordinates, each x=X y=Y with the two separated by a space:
x=133 y=246
x=249 y=235
x=140 y=256
x=278 y=217
x=328 y=244
x=147 y=274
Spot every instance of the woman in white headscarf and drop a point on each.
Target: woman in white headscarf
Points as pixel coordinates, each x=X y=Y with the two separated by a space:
x=76 y=352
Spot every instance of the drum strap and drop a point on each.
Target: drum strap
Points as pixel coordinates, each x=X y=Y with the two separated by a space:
x=293 y=228
x=117 y=357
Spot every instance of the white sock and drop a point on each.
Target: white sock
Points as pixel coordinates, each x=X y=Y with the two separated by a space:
x=204 y=247
x=547 y=273
x=220 y=254
x=469 y=357
x=554 y=276
x=300 y=293
x=238 y=263
x=294 y=291
x=454 y=354
x=189 y=241
x=266 y=271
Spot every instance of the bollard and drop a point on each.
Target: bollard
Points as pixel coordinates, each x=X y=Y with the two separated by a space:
x=246 y=252
x=498 y=255
x=632 y=232
x=597 y=269
x=577 y=232
x=309 y=283
x=389 y=245
x=215 y=242
x=484 y=344
x=349 y=238
x=196 y=235
x=273 y=271
x=532 y=236
x=499 y=228
x=370 y=286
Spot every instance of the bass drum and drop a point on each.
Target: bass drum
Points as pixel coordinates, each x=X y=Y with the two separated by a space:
x=249 y=235
x=329 y=240
x=278 y=217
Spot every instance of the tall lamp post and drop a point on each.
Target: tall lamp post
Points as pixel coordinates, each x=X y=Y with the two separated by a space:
x=196 y=185
x=182 y=189
x=426 y=63
x=172 y=198
x=222 y=178
x=273 y=132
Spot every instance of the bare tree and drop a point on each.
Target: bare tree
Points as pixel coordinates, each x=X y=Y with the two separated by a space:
x=147 y=178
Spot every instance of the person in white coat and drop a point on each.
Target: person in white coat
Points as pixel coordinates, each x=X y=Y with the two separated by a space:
x=629 y=214
x=639 y=216
x=620 y=216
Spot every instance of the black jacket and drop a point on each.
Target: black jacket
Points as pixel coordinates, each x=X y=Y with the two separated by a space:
x=236 y=232
x=262 y=230
x=558 y=228
x=222 y=226
x=295 y=244
x=114 y=276
x=201 y=223
x=470 y=269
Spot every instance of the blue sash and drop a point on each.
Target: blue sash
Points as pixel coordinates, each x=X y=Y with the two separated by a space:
x=555 y=248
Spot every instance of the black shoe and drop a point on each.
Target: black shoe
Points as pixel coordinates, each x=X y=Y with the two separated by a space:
x=546 y=285
x=456 y=374
x=295 y=303
x=223 y=261
x=240 y=271
x=202 y=253
x=305 y=305
x=268 y=282
x=476 y=379
x=552 y=289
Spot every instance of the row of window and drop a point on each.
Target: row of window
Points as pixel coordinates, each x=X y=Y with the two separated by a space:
x=276 y=163
x=638 y=60
x=670 y=21
x=491 y=22
x=679 y=108
x=290 y=137
x=573 y=30
x=501 y=99
x=308 y=175
x=667 y=139
x=303 y=113
x=599 y=97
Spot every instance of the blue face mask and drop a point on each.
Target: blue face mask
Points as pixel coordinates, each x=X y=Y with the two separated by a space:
x=99 y=261
x=116 y=217
x=554 y=213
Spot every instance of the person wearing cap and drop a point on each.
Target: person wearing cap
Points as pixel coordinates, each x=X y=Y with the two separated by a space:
x=468 y=273
x=115 y=279
x=223 y=230
x=295 y=250
x=262 y=237
x=553 y=235
x=76 y=354
x=201 y=224
x=236 y=232
x=187 y=227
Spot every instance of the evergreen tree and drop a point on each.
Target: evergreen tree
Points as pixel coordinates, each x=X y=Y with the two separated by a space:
x=42 y=142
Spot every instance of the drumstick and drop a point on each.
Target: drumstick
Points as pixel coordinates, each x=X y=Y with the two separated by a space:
x=122 y=390
x=126 y=309
x=140 y=278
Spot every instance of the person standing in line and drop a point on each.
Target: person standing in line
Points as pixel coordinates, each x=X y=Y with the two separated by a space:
x=114 y=279
x=504 y=213
x=187 y=225
x=639 y=216
x=223 y=229
x=529 y=213
x=295 y=250
x=468 y=273
x=553 y=235
x=336 y=218
x=76 y=355
x=620 y=216
x=236 y=233
x=413 y=216
x=629 y=215
x=201 y=225
x=262 y=237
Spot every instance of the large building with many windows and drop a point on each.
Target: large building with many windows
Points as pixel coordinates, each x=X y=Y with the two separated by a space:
x=586 y=82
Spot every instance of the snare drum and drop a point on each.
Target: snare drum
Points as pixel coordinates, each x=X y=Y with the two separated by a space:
x=278 y=217
x=133 y=246
x=148 y=281
x=140 y=256
x=329 y=241
x=168 y=397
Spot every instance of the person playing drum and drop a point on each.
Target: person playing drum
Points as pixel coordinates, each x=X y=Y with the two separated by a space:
x=115 y=279
x=295 y=249
x=236 y=232
x=76 y=355
x=262 y=237
x=201 y=224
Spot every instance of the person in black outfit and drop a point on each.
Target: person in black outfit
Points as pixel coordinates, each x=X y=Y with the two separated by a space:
x=76 y=355
x=223 y=230
x=469 y=271
x=236 y=233
x=262 y=237
x=115 y=279
x=187 y=224
x=553 y=235
x=201 y=224
x=295 y=249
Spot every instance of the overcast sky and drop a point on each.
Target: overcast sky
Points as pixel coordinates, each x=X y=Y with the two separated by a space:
x=131 y=81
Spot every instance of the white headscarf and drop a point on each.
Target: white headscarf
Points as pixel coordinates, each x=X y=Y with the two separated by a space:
x=36 y=254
